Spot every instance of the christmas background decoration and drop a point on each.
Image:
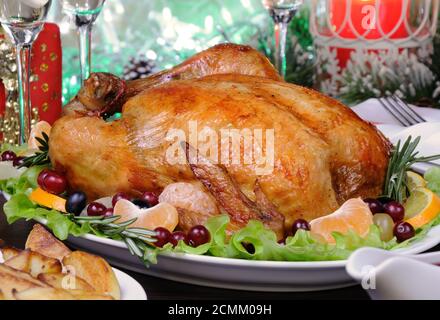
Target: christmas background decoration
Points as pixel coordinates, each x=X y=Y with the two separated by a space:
x=133 y=39
x=8 y=96
x=373 y=48
x=46 y=79
x=165 y=33
x=139 y=67
x=169 y=31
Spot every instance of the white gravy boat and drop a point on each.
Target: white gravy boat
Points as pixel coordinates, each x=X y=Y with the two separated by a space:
x=389 y=275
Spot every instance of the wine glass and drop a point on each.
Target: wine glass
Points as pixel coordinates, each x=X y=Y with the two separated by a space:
x=84 y=13
x=22 y=21
x=282 y=12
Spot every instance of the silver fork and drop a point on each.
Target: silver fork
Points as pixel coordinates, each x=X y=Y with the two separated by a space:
x=400 y=110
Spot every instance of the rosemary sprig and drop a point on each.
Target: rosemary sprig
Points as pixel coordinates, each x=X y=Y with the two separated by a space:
x=402 y=158
x=139 y=241
x=40 y=157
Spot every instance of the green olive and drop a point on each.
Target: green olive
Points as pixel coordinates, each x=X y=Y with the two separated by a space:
x=385 y=224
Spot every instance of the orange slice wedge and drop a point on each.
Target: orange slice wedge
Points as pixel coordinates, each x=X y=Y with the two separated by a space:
x=421 y=207
x=48 y=200
x=162 y=215
x=354 y=215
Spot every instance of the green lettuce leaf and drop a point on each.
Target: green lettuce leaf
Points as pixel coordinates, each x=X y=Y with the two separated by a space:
x=20 y=207
x=432 y=177
x=264 y=246
x=23 y=184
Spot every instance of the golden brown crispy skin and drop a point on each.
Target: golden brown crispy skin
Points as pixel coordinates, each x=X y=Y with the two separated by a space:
x=324 y=153
x=224 y=189
x=105 y=94
x=224 y=58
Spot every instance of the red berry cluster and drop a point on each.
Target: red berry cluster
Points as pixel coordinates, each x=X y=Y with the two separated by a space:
x=196 y=236
x=11 y=156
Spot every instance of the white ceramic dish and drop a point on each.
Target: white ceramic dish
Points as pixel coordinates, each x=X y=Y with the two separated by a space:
x=130 y=288
x=269 y=276
x=235 y=273
x=388 y=275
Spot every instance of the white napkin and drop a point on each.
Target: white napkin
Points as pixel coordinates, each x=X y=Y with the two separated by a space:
x=371 y=110
x=36 y=4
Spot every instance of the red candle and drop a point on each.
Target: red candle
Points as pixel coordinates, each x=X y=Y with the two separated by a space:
x=367 y=19
x=356 y=18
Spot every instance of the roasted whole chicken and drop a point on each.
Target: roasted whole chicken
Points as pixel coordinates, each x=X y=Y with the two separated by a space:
x=323 y=153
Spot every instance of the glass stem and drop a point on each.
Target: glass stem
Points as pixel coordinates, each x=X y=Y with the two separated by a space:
x=24 y=92
x=280 y=44
x=281 y=18
x=85 y=52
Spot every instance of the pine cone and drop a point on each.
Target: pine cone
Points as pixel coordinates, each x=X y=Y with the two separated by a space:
x=139 y=68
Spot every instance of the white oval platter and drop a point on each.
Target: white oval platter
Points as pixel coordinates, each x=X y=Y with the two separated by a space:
x=270 y=276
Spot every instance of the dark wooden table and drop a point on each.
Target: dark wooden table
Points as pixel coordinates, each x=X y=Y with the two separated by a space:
x=16 y=234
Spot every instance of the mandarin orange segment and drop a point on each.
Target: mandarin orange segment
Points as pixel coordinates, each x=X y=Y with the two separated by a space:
x=354 y=215
x=162 y=215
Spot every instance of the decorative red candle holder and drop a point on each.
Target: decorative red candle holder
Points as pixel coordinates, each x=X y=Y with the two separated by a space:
x=343 y=28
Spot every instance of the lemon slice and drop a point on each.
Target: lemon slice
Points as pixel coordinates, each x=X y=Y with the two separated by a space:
x=421 y=207
x=48 y=200
x=414 y=181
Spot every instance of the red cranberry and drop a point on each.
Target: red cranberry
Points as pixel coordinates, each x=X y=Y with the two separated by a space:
x=395 y=210
x=403 y=231
x=18 y=161
x=198 y=235
x=8 y=156
x=108 y=212
x=375 y=205
x=119 y=196
x=163 y=236
x=300 y=224
x=96 y=209
x=176 y=236
x=151 y=198
x=41 y=177
x=52 y=182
